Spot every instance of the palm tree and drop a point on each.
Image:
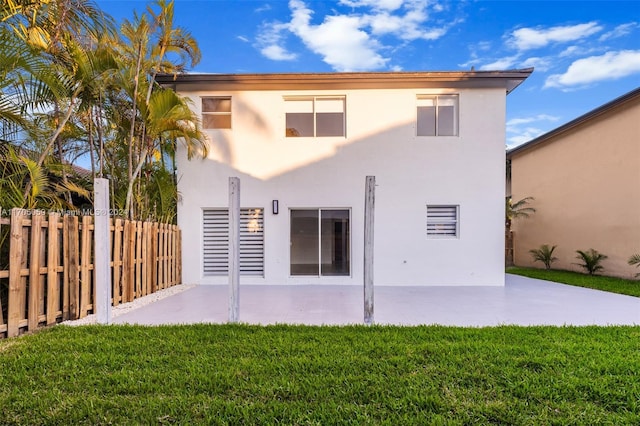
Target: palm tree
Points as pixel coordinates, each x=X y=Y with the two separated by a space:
x=518 y=209
x=147 y=44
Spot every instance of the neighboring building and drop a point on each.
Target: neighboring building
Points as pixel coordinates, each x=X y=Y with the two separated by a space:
x=304 y=143
x=585 y=178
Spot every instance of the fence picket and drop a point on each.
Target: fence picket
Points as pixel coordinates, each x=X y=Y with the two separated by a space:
x=85 y=259
x=15 y=272
x=74 y=268
x=116 y=255
x=53 y=254
x=34 y=271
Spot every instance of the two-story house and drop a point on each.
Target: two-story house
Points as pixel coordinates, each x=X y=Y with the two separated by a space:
x=302 y=145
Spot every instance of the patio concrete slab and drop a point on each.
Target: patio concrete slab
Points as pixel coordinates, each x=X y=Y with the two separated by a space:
x=523 y=301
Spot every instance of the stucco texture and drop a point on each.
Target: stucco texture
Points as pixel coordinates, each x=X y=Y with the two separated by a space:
x=586 y=183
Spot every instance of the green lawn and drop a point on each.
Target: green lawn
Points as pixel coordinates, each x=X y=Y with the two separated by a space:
x=227 y=374
x=612 y=284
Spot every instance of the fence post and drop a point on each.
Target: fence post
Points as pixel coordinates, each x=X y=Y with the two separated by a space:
x=369 y=208
x=102 y=248
x=234 y=249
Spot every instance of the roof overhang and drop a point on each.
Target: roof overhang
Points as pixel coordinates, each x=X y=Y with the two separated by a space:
x=508 y=80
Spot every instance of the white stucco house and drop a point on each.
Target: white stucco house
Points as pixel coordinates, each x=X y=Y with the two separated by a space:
x=302 y=145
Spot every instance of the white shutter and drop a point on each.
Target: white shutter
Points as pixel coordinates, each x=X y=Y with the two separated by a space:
x=442 y=221
x=216 y=242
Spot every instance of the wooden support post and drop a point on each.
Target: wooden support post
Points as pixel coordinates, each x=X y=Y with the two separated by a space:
x=15 y=315
x=234 y=249
x=369 y=209
x=102 y=248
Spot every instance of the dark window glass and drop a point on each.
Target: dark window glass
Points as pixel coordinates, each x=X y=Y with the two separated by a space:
x=304 y=242
x=334 y=242
x=426 y=121
x=299 y=124
x=216 y=104
x=446 y=120
x=330 y=124
x=211 y=121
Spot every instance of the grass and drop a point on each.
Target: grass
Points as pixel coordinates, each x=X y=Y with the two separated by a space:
x=226 y=374
x=598 y=282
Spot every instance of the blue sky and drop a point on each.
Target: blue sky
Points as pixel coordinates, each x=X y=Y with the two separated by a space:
x=585 y=53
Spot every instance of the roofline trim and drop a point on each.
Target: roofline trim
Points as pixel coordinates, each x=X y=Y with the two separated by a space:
x=513 y=78
x=620 y=100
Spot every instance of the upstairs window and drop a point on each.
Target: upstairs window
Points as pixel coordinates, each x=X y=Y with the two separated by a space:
x=216 y=112
x=442 y=221
x=314 y=116
x=437 y=115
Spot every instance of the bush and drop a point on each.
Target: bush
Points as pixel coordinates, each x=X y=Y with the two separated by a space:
x=544 y=254
x=591 y=260
x=635 y=260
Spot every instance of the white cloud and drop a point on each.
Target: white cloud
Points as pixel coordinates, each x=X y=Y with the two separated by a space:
x=264 y=8
x=501 y=64
x=354 y=41
x=521 y=133
x=525 y=136
x=540 y=117
x=277 y=53
x=532 y=38
x=389 y=5
x=242 y=38
x=270 y=41
x=338 y=39
x=610 y=66
x=578 y=51
x=619 y=31
x=540 y=64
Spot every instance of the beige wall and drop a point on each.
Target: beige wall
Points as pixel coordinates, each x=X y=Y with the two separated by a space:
x=586 y=185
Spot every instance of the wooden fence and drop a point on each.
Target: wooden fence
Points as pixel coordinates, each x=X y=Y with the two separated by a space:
x=50 y=274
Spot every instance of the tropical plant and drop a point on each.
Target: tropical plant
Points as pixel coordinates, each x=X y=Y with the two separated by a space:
x=517 y=209
x=591 y=260
x=72 y=87
x=544 y=254
x=635 y=260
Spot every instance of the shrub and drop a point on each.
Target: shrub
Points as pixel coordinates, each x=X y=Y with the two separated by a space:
x=635 y=260
x=591 y=260
x=544 y=254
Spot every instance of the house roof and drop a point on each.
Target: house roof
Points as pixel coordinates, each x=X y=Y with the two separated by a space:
x=629 y=96
x=509 y=79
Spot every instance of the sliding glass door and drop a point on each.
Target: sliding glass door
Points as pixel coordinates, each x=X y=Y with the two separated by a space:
x=320 y=242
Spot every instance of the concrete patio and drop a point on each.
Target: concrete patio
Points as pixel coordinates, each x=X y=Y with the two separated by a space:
x=523 y=301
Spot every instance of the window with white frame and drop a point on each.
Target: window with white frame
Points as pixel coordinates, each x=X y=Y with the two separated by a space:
x=314 y=116
x=437 y=115
x=216 y=241
x=443 y=221
x=216 y=112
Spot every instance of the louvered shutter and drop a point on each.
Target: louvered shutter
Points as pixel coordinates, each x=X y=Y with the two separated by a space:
x=442 y=221
x=216 y=242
